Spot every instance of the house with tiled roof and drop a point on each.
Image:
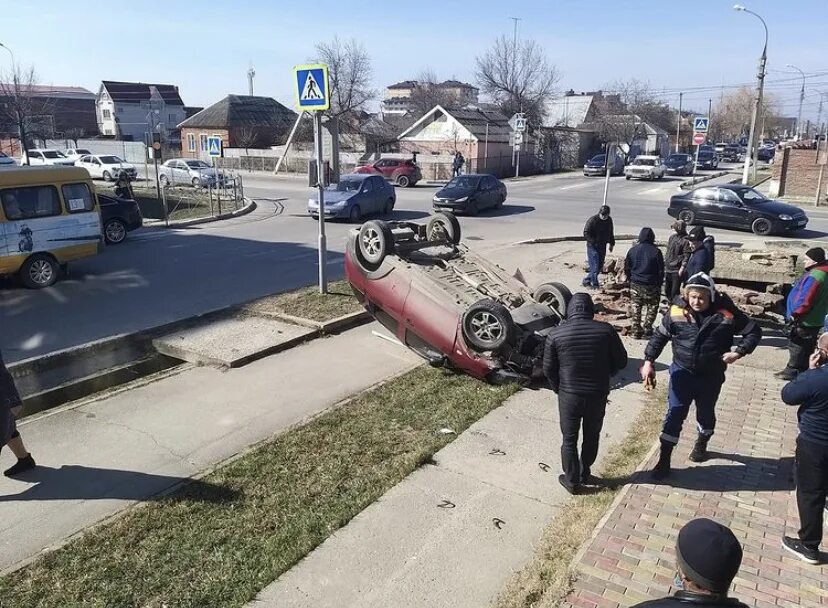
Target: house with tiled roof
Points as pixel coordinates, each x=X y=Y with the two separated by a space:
x=130 y=111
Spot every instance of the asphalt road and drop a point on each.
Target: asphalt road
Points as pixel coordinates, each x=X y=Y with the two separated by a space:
x=158 y=276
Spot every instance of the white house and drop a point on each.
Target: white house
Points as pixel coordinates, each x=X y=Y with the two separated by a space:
x=131 y=111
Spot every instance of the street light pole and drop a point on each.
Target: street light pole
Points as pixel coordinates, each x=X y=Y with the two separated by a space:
x=761 y=78
x=801 y=99
x=678 y=122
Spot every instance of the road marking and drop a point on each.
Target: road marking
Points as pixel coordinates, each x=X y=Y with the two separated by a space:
x=575 y=186
x=651 y=190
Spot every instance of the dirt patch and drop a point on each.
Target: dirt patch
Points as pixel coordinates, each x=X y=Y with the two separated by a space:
x=308 y=303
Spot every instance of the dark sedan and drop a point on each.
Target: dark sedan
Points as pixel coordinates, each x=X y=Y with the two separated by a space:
x=471 y=193
x=739 y=207
x=707 y=159
x=679 y=164
x=118 y=217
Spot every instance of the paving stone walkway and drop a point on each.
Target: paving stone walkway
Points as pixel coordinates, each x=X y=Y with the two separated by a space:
x=747 y=485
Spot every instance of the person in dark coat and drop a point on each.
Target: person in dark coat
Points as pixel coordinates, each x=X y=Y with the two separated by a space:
x=457 y=164
x=708 y=557
x=123 y=189
x=580 y=356
x=10 y=407
x=702 y=327
x=644 y=267
x=675 y=260
x=809 y=391
x=700 y=259
x=599 y=233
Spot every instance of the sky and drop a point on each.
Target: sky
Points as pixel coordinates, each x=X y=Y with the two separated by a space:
x=207 y=47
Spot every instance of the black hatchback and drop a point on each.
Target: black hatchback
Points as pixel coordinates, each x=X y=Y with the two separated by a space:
x=119 y=216
x=736 y=206
x=470 y=193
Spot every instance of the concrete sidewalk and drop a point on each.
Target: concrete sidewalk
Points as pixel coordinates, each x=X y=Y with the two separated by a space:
x=99 y=457
x=453 y=532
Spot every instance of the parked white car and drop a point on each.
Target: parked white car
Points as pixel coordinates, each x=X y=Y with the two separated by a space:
x=645 y=167
x=106 y=166
x=7 y=161
x=76 y=153
x=45 y=156
x=187 y=172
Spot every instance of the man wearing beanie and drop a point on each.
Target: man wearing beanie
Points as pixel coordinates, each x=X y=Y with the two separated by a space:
x=598 y=232
x=675 y=260
x=807 y=306
x=708 y=556
x=702 y=326
x=700 y=259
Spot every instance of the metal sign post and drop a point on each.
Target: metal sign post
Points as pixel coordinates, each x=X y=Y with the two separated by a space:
x=313 y=95
x=518 y=124
x=607 y=173
x=214 y=149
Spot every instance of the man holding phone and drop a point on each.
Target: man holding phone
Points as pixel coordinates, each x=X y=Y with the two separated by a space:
x=809 y=391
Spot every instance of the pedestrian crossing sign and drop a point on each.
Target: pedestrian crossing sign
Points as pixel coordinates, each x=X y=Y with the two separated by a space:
x=700 y=124
x=214 y=145
x=312 y=92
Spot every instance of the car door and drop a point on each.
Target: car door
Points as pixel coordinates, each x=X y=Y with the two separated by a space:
x=180 y=173
x=492 y=195
x=704 y=204
x=366 y=196
x=731 y=209
x=96 y=167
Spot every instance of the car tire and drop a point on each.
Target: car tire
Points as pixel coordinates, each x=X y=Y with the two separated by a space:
x=554 y=295
x=443 y=226
x=354 y=214
x=761 y=226
x=627 y=177
x=499 y=204
x=39 y=271
x=403 y=181
x=107 y=176
x=687 y=216
x=389 y=206
x=375 y=241
x=488 y=326
x=164 y=181
x=196 y=182
x=115 y=232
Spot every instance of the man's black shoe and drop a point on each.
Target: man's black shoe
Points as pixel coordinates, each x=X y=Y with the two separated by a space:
x=662 y=468
x=795 y=546
x=574 y=490
x=699 y=453
x=786 y=374
x=21 y=466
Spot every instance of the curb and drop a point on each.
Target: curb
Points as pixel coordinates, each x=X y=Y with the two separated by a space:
x=248 y=208
x=687 y=185
x=574 y=239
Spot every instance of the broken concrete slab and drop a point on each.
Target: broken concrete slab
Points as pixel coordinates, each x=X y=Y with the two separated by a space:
x=232 y=342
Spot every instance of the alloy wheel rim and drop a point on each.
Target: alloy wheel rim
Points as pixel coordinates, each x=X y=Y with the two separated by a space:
x=486 y=327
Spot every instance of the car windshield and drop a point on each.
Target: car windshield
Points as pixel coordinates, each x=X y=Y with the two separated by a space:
x=705 y=154
x=599 y=158
x=110 y=160
x=677 y=158
x=346 y=185
x=464 y=181
x=52 y=154
x=650 y=162
x=197 y=164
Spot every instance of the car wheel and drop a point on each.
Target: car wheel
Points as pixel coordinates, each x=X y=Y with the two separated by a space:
x=626 y=177
x=555 y=295
x=39 y=271
x=354 y=214
x=761 y=226
x=403 y=181
x=687 y=216
x=164 y=181
x=443 y=226
x=375 y=241
x=389 y=206
x=488 y=326
x=196 y=182
x=115 y=232
x=500 y=203
x=107 y=176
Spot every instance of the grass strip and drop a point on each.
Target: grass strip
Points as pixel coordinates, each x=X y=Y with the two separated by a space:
x=308 y=303
x=220 y=540
x=549 y=578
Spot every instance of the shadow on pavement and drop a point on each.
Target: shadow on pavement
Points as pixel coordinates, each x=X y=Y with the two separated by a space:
x=508 y=209
x=76 y=482
x=747 y=473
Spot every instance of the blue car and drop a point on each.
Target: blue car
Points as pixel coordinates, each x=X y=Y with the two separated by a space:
x=355 y=196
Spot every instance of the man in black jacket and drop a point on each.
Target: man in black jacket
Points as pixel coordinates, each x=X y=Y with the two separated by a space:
x=702 y=327
x=708 y=557
x=598 y=232
x=809 y=390
x=579 y=358
x=644 y=267
x=701 y=258
x=675 y=261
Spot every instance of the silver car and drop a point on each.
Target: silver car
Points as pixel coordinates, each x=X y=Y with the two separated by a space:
x=187 y=171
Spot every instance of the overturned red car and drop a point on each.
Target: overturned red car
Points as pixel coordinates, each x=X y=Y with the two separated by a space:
x=448 y=304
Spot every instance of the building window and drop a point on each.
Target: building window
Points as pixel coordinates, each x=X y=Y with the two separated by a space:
x=107 y=131
x=203 y=139
x=172 y=118
x=107 y=114
x=191 y=143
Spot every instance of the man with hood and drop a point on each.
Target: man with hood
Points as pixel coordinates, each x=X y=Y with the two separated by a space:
x=807 y=306
x=675 y=262
x=701 y=259
x=598 y=232
x=644 y=267
x=580 y=356
x=702 y=326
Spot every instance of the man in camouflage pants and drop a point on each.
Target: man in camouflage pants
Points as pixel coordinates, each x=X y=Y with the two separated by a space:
x=644 y=267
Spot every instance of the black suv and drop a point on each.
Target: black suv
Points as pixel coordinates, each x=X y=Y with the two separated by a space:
x=119 y=216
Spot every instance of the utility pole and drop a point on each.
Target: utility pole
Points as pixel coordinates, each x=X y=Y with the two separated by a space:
x=801 y=99
x=678 y=122
x=758 y=104
x=709 y=114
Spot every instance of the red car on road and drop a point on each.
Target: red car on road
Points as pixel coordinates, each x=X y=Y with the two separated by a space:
x=448 y=304
x=404 y=173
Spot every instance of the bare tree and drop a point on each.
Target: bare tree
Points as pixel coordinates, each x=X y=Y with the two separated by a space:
x=247 y=137
x=22 y=110
x=731 y=116
x=350 y=74
x=75 y=133
x=518 y=77
x=428 y=93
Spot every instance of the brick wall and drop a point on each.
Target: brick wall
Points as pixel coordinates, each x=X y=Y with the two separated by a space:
x=798 y=173
x=197 y=133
